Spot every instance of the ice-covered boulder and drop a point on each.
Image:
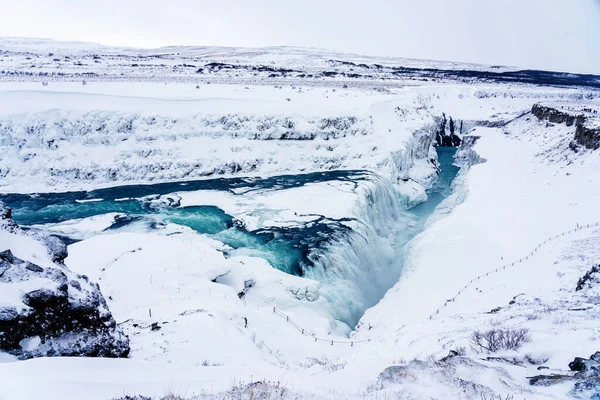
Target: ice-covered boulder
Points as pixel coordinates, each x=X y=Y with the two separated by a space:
x=588 y=366
x=46 y=309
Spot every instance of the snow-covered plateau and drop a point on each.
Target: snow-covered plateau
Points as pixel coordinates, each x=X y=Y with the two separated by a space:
x=287 y=223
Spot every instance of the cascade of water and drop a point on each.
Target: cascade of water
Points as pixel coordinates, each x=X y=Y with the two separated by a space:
x=356 y=260
x=357 y=270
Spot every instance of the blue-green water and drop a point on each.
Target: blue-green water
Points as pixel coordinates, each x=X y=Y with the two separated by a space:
x=442 y=188
x=286 y=248
x=355 y=268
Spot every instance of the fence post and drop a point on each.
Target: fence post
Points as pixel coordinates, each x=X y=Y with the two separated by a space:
x=273 y=309
x=351 y=344
x=332 y=342
x=150 y=312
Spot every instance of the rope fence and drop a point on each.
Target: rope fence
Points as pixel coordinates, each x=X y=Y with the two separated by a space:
x=521 y=260
x=312 y=336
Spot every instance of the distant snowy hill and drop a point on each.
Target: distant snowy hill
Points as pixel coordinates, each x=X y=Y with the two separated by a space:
x=43 y=59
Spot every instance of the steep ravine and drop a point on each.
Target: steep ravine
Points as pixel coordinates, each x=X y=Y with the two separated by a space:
x=356 y=260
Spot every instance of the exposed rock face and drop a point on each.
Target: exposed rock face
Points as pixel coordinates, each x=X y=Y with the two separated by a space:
x=556 y=116
x=586 y=377
x=465 y=155
x=591 y=278
x=447 y=134
x=585 y=135
x=47 y=310
x=589 y=366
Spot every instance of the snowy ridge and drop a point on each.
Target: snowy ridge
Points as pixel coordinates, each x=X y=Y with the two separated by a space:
x=33 y=60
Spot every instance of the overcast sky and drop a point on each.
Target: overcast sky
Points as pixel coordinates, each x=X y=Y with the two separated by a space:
x=546 y=34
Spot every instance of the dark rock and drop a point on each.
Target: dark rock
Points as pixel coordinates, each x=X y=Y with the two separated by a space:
x=446 y=136
x=556 y=116
x=155 y=326
x=592 y=276
x=4 y=266
x=7 y=255
x=588 y=387
x=451 y=354
x=248 y=284
x=586 y=136
x=5 y=211
x=76 y=325
x=44 y=298
x=33 y=267
x=588 y=366
x=547 y=380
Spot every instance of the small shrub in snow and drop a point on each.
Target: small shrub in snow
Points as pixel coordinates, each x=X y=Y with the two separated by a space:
x=499 y=339
x=323 y=362
x=207 y=363
x=497 y=397
x=532 y=317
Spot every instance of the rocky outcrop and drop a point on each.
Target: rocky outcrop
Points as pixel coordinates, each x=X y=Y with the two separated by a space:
x=46 y=309
x=585 y=376
x=591 y=278
x=556 y=116
x=465 y=156
x=586 y=366
x=586 y=135
x=447 y=133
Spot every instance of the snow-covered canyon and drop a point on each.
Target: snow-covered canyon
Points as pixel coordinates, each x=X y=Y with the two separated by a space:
x=291 y=235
